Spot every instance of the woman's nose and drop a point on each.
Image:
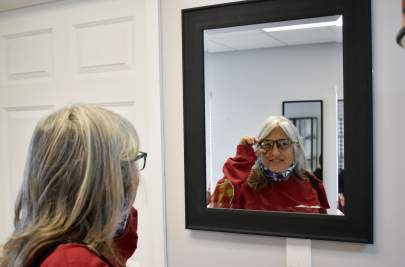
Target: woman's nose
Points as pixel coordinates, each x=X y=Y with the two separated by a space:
x=274 y=150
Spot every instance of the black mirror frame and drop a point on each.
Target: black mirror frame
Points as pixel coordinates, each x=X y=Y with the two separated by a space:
x=357 y=224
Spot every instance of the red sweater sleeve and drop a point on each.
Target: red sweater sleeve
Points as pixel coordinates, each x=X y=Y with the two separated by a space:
x=73 y=255
x=237 y=169
x=79 y=255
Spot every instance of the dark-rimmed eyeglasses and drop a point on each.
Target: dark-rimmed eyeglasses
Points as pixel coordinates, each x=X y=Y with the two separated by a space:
x=140 y=160
x=401 y=34
x=282 y=144
x=401 y=37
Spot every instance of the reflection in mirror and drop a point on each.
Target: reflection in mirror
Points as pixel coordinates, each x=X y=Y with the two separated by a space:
x=249 y=72
x=307 y=117
x=341 y=154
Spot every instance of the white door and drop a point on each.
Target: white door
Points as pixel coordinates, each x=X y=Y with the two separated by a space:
x=104 y=52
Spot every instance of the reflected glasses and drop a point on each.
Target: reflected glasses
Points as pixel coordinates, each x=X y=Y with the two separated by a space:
x=282 y=144
x=140 y=160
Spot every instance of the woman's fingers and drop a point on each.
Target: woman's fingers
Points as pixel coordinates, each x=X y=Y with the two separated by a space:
x=252 y=141
x=248 y=140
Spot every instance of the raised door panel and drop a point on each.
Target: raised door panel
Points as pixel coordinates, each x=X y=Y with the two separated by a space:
x=18 y=124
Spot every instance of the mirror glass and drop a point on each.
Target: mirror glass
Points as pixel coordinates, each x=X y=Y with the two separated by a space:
x=307 y=118
x=253 y=72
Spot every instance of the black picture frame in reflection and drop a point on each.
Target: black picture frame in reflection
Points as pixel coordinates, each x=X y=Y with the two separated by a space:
x=309 y=123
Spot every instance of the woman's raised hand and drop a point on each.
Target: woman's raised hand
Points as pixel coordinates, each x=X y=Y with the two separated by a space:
x=248 y=140
x=251 y=141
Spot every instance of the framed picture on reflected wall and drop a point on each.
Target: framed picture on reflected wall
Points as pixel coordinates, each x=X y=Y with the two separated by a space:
x=306 y=115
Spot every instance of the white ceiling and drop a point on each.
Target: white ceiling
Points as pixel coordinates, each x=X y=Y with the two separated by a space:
x=6 y=5
x=253 y=37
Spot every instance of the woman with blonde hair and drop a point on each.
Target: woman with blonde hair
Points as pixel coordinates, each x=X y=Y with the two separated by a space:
x=74 y=206
x=269 y=173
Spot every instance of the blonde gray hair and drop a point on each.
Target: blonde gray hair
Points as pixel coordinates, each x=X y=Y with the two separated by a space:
x=257 y=178
x=78 y=179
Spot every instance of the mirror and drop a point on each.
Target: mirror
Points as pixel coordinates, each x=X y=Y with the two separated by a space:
x=249 y=72
x=246 y=63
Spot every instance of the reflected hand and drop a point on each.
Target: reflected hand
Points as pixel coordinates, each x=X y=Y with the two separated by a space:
x=248 y=140
x=251 y=141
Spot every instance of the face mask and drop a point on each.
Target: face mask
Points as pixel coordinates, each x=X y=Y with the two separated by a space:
x=124 y=219
x=127 y=241
x=276 y=176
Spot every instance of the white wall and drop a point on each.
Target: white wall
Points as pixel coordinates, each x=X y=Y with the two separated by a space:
x=199 y=248
x=245 y=87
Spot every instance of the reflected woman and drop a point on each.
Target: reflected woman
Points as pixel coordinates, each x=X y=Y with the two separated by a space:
x=269 y=173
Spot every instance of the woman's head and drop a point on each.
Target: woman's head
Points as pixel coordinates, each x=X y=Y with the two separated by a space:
x=79 y=177
x=280 y=145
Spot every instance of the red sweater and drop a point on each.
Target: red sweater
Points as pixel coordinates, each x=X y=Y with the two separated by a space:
x=297 y=194
x=78 y=255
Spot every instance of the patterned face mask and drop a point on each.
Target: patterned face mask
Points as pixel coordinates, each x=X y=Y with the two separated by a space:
x=124 y=219
x=276 y=176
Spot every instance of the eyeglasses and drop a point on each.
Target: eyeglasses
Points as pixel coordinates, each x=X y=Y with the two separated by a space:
x=401 y=34
x=401 y=37
x=282 y=144
x=140 y=160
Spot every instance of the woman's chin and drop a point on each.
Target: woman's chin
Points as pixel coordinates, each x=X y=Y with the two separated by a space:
x=277 y=169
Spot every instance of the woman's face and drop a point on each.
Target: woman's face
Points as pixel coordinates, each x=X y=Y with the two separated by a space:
x=279 y=157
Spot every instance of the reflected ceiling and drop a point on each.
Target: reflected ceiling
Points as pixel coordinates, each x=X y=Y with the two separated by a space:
x=254 y=37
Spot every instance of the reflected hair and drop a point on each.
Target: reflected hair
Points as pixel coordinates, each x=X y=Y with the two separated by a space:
x=79 y=179
x=257 y=178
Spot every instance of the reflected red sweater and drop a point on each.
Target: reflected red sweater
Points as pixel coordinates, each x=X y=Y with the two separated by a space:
x=78 y=255
x=297 y=194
